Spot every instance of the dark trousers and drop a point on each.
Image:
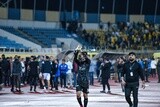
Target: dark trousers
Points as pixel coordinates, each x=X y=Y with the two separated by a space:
x=104 y=83
x=33 y=81
x=132 y=87
x=74 y=79
x=51 y=81
x=63 y=80
x=119 y=76
x=1 y=77
x=153 y=72
x=55 y=81
x=158 y=72
x=7 y=79
x=16 y=81
x=91 y=78
x=97 y=72
x=146 y=76
x=23 y=78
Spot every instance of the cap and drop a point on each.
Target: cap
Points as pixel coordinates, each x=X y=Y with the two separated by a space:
x=133 y=53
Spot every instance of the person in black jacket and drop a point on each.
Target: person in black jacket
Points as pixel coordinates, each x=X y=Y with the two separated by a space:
x=16 y=74
x=146 y=71
x=55 y=74
x=158 y=70
x=33 y=72
x=105 y=74
x=120 y=68
x=46 y=72
x=82 y=79
x=132 y=70
x=5 y=67
x=1 y=74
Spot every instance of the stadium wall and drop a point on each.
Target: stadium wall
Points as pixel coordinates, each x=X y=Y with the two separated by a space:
x=3 y=13
x=108 y=18
x=137 y=18
x=53 y=16
x=26 y=14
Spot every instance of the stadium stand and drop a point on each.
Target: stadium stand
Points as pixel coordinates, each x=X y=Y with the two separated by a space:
x=8 y=44
x=127 y=26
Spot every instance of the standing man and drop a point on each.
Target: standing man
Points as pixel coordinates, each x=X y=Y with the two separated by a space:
x=158 y=70
x=98 y=64
x=132 y=70
x=33 y=72
x=69 y=74
x=55 y=73
x=23 y=71
x=91 y=73
x=63 y=68
x=105 y=74
x=75 y=72
x=146 y=71
x=5 y=67
x=153 y=67
x=46 y=71
x=120 y=69
x=1 y=74
x=16 y=74
x=82 y=79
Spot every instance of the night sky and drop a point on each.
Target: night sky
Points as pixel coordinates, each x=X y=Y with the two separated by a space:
x=106 y=6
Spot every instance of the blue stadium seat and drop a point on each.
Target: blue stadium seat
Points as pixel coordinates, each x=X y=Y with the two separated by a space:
x=5 y=42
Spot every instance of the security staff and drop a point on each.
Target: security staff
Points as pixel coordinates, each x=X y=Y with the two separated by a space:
x=132 y=70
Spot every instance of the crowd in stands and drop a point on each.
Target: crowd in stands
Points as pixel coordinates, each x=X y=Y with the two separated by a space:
x=123 y=36
x=50 y=73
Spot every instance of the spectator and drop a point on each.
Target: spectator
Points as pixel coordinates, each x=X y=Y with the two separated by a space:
x=23 y=71
x=16 y=74
x=75 y=72
x=105 y=74
x=63 y=68
x=92 y=69
x=46 y=71
x=69 y=74
x=5 y=67
x=153 y=67
x=158 y=70
x=55 y=73
x=1 y=74
x=146 y=70
x=33 y=73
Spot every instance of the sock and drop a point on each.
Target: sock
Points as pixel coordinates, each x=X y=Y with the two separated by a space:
x=79 y=101
x=85 y=102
